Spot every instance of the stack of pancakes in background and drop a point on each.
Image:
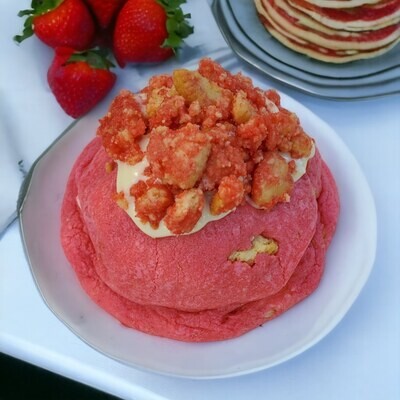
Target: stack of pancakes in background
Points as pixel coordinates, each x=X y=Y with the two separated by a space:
x=336 y=31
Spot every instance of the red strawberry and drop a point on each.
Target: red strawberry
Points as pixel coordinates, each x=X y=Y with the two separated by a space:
x=149 y=30
x=105 y=10
x=59 y=23
x=79 y=80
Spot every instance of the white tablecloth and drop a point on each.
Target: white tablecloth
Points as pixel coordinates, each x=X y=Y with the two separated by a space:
x=360 y=359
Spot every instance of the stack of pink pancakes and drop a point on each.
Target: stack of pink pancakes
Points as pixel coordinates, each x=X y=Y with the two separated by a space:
x=186 y=287
x=333 y=31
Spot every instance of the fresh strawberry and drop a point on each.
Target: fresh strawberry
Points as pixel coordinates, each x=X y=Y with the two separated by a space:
x=79 y=80
x=149 y=30
x=105 y=10
x=59 y=23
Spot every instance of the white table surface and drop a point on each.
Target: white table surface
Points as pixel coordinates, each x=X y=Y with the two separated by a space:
x=359 y=359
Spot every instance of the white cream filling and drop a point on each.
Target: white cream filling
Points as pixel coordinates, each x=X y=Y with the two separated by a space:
x=128 y=175
x=301 y=163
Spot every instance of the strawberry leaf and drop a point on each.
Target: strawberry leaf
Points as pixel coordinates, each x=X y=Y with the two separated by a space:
x=22 y=13
x=43 y=6
x=38 y=7
x=177 y=24
x=27 y=31
x=96 y=58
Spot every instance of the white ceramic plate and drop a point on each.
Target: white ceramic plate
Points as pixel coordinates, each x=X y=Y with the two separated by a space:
x=349 y=263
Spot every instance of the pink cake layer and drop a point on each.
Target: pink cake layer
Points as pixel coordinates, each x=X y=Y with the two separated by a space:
x=184 y=287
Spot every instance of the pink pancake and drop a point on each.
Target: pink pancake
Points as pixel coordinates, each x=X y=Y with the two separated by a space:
x=382 y=13
x=190 y=272
x=300 y=25
x=210 y=324
x=331 y=34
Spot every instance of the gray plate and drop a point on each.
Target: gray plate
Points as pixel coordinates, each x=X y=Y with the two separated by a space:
x=241 y=37
x=245 y=13
x=307 y=84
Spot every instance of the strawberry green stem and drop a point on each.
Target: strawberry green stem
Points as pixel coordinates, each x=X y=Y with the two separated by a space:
x=96 y=58
x=38 y=7
x=177 y=24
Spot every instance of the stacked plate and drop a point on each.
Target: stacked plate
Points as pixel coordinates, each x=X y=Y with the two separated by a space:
x=244 y=32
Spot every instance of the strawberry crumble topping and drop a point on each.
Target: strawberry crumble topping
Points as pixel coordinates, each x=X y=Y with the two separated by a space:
x=204 y=138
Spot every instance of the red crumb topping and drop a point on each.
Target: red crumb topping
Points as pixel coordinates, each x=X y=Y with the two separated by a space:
x=272 y=181
x=120 y=199
x=229 y=195
x=208 y=131
x=121 y=127
x=183 y=215
x=178 y=157
x=153 y=203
